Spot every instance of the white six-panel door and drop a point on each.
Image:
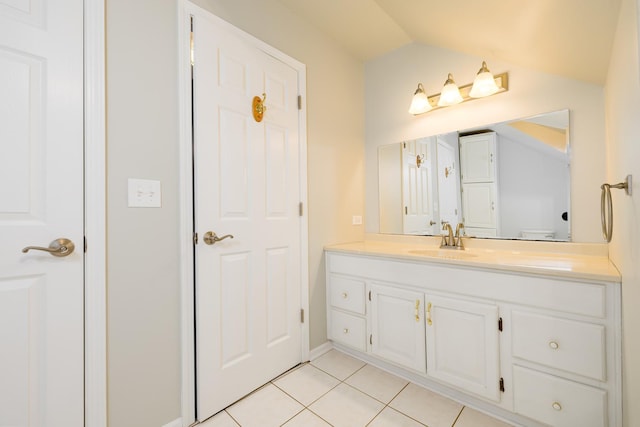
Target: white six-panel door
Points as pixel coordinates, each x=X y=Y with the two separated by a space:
x=41 y=199
x=416 y=188
x=247 y=184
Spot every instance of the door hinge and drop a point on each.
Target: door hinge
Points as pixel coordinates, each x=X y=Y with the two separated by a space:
x=302 y=315
x=500 y=324
x=502 y=384
x=84 y=238
x=406 y=210
x=369 y=295
x=299 y=102
x=195 y=238
x=371 y=339
x=300 y=209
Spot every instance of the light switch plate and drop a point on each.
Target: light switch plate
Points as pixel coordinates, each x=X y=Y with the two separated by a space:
x=144 y=193
x=356 y=220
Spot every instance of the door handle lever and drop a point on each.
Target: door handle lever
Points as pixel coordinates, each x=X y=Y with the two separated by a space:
x=59 y=247
x=211 y=238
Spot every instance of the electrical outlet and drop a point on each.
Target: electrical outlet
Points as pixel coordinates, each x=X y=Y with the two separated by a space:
x=356 y=220
x=144 y=193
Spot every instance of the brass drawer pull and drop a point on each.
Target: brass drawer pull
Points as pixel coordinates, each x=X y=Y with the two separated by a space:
x=553 y=345
x=345 y=331
x=557 y=406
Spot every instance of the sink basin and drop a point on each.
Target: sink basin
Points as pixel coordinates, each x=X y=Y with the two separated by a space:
x=443 y=253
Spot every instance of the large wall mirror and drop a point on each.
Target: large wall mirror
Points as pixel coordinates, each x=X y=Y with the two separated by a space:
x=509 y=180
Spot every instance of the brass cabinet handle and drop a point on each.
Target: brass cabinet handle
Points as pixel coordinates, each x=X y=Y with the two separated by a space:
x=210 y=238
x=429 y=322
x=557 y=406
x=553 y=345
x=345 y=331
x=417 y=310
x=59 y=247
x=344 y=295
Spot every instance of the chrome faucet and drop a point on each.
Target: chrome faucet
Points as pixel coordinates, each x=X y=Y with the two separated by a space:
x=449 y=241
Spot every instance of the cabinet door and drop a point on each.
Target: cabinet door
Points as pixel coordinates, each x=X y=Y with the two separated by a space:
x=478 y=158
x=479 y=204
x=462 y=344
x=397 y=326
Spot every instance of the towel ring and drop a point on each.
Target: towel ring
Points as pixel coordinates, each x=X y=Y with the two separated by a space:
x=606 y=206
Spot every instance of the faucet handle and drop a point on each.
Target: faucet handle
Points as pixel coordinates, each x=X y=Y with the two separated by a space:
x=459 y=243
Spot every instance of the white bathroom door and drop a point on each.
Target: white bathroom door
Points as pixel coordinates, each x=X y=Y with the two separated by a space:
x=41 y=200
x=247 y=185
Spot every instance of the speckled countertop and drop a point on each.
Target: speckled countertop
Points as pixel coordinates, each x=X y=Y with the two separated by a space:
x=585 y=264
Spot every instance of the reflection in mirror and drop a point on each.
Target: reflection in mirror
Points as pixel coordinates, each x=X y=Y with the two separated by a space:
x=509 y=180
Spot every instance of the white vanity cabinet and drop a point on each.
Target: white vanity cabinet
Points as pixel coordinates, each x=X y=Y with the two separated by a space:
x=536 y=350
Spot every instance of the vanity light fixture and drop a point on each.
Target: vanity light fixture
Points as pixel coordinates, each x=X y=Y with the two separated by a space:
x=450 y=93
x=485 y=84
x=420 y=102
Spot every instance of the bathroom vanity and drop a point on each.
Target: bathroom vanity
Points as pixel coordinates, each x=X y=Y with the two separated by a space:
x=530 y=337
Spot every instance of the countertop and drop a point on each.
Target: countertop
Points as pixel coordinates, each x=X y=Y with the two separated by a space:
x=563 y=265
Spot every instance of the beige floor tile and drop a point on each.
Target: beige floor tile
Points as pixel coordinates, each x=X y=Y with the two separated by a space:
x=221 y=419
x=391 y=418
x=472 y=418
x=426 y=406
x=267 y=407
x=307 y=418
x=344 y=406
x=306 y=384
x=338 y=364
x=377 y=383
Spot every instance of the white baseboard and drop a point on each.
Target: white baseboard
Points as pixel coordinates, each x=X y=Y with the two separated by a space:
x=320 y=350
x=174 y=423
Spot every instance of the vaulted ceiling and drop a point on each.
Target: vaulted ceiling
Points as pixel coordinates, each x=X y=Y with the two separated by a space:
x=571 y=38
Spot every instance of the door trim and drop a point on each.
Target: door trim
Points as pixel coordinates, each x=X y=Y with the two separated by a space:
x=95 y=320
x=187 y=9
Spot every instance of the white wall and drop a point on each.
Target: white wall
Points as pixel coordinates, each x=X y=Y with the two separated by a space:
x=623 y=157
x=391 y=80
x=142 y=142
x=143 y=294
x=532 y=194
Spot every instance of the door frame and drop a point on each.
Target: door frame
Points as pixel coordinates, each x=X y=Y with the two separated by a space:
x=187 y=281
x=95 y=266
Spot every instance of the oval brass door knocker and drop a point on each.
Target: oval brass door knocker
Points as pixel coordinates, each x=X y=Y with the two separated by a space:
x=258 y=107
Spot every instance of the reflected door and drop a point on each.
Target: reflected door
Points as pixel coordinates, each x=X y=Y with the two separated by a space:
x=448 y=200
x=416 y=188
x=41 y=200
x=247 y=184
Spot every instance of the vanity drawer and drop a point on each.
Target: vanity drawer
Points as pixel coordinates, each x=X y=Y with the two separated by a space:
x=348 y=294
x=348 y=330
x=556 y=401
x=572 y=346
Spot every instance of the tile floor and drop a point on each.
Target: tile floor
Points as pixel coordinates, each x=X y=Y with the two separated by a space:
x=338 y=390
